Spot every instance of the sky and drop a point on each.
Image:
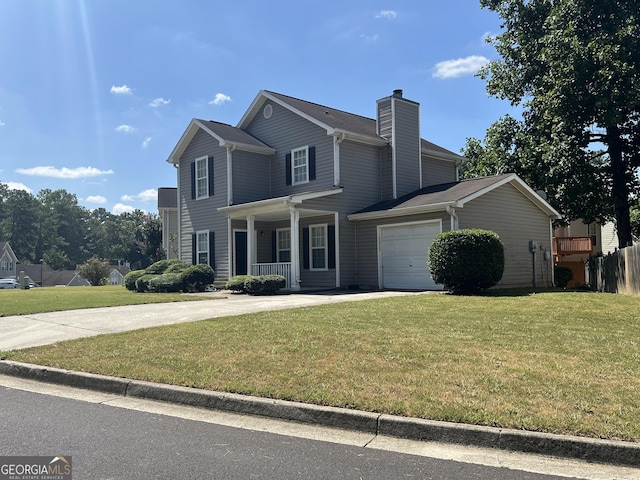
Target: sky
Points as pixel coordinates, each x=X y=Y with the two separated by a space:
x=95 y=94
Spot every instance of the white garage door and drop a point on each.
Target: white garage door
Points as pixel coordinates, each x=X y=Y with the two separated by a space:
x=404 y=256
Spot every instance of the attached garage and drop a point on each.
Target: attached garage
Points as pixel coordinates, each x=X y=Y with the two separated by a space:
x=403 y=250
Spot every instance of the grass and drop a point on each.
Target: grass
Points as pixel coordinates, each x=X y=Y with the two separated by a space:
x=565 y=363
x=53 y=299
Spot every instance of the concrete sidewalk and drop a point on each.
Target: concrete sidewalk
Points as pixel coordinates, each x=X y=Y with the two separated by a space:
x=22 y=331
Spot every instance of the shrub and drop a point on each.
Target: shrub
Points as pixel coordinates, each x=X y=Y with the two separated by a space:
x=166 y=283
x=563 y=275
x=466 y=261
x=236 y=284
x=195 y=278
x=161 y=266
x=142 y=283
x=264 y=284
x=96 y=271
x=131 y=278
x=177 y=267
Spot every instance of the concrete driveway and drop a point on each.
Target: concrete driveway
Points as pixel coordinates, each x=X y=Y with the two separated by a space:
x=22 y=331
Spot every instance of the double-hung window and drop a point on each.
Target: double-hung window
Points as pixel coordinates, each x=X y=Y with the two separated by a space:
x=318 y=250
x=202 y=178
x=202 y=245
x=300 y=165
x=284 y=244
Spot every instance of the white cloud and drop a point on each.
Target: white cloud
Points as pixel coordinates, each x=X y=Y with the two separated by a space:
x=220 y=99
x=2 y=124
x=146 y=142
x=460 y=66
x=18 y=186
x=369 y=38
x=64 y=172
x=124 y=129
x=99 y=199
x=121 y=90
x=119 y=208
x=145 y=196
x=390 y=14
x=148 y=195
x=158 y=102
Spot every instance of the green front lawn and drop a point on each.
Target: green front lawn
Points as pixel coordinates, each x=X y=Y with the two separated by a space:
x=553 y=362
x=53 y=299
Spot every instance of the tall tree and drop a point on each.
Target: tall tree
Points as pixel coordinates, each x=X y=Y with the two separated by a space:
x=574 y=65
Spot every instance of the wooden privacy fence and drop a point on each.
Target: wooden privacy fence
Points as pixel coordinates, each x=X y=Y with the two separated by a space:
x=618 y=272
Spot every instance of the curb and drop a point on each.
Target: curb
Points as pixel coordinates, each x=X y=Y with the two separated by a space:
x=586 y=449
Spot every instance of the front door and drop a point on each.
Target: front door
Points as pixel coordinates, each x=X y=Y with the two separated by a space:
x=240 y=252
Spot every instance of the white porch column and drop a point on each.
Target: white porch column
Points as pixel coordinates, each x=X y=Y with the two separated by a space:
x=251 y=241
x=295 y=248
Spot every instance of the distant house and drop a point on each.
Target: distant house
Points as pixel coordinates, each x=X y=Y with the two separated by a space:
x=168 y=213
x=117 y=273
x=330 y=199
x=45 y=276
x=8 y=261
x=575 y=243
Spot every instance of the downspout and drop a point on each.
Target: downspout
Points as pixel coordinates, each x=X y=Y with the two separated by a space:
x=176 y=166
x=336 y=158
x=451 y=210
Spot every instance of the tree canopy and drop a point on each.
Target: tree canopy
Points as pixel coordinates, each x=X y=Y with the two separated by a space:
x=574 y=67
x=52 y=227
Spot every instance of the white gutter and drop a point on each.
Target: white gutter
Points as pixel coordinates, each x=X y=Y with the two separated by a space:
x=451 y=210
x=400 y=212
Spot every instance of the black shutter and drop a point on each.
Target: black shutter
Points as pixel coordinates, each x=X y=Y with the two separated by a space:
x=193 y=181
x=287 y=168
x=210 y=174
x=194 y=247
x=305 y=248
x=274 y=247
x=212 y=250
x=331 y=246
x=312 y=163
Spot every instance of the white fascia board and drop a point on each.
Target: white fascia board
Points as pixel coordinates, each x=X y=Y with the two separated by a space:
x=181 y=146
x=401 y=212
x=299 y=198
x=459 y=159
x=356 y=137
x=249 y=148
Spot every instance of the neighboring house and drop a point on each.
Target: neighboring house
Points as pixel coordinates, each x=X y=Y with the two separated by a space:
x=168 y=213
x=332 y=199
x=8 y=261
x=117 y=273
x=573 y=244
x=44 y=275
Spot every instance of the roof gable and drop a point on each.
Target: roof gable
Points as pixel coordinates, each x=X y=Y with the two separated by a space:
x=455 y=194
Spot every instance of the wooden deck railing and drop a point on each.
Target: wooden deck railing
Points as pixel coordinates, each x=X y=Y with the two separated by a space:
x=572 y=245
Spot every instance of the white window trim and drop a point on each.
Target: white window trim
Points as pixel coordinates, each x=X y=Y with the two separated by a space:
x=293 y=166
x=278 y=249
x=205 y=159
x=324 y=226
x=198 y=251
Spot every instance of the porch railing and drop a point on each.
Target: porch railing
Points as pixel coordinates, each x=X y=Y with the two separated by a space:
x=283 y=269
x=572 y=245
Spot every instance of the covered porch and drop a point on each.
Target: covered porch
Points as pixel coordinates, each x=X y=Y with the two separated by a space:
x=283 y=236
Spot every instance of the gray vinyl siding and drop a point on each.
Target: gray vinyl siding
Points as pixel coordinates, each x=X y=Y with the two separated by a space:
x=197 y=215
x=287 y=131
x=386 y=174
x=251 y=177
x=367 y=237
x=435 y=172
x=385 y=118
x=407 y=146
x=516 y=221
x=315 y=278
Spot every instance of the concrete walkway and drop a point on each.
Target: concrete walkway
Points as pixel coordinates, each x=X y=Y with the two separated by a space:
x=22 y=331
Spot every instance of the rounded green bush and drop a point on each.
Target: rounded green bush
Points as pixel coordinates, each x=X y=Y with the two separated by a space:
x=563 y=275
x=264 y=284
x=166 y=283
x=196 y=278
x=131 y=278
x=466 y=261
x=161 y=266
x=142 y=283
x=236 y=284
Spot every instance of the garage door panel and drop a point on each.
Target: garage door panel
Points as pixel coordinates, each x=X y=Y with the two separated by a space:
x=404 y=256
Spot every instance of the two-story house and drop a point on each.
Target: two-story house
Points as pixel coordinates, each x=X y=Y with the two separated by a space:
x=332 y=199
x=8 y=261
